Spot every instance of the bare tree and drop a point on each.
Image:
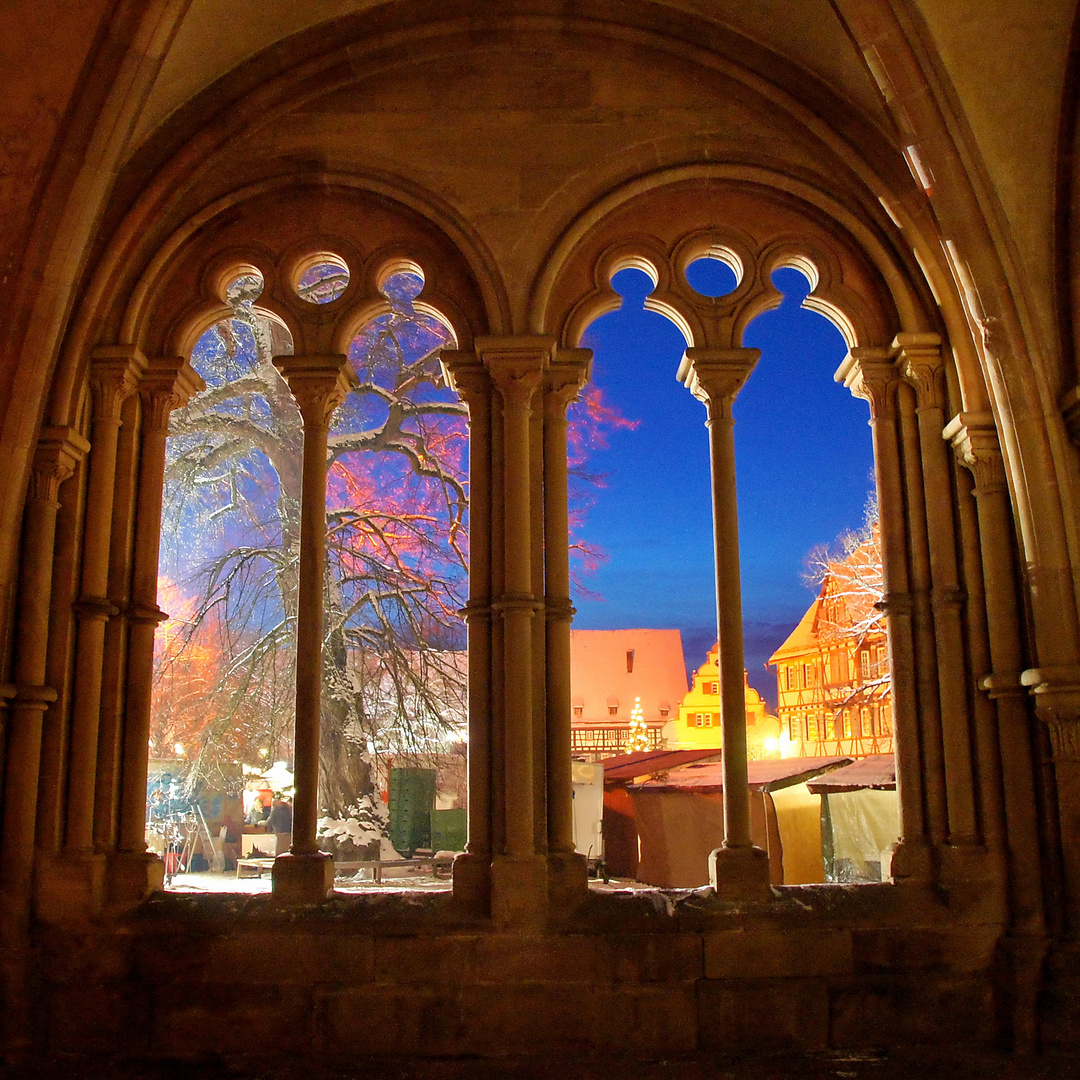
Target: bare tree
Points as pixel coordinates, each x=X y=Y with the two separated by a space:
x=396 y=540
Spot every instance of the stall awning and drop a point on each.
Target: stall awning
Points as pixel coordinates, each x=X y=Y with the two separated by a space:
x=877 y=771
x=708 y=777
x=647 y=762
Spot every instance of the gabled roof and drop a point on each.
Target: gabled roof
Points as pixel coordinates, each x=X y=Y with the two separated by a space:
x=599 y=679
x=803 y=638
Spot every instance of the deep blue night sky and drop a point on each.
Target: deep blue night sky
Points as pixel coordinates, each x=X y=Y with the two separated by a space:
x=803 y=457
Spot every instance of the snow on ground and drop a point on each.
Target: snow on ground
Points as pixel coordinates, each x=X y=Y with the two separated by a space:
x=227 y=882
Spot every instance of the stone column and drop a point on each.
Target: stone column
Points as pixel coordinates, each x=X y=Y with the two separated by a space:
x=114 y=371
x=869 y=373
x=974 y=439
x=472 y=870
x=114 y=660
x=926 y=669
x=319 y=384
x=739 y=870
x=567 y=871
x=519 y=872
x=59 y=452
x=168 y=383
x=919 y=357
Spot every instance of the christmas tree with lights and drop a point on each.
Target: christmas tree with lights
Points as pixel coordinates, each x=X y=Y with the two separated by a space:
x=638 y=738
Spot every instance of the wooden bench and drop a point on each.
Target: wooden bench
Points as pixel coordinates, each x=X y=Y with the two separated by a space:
x=375 y=865
x=259 y=865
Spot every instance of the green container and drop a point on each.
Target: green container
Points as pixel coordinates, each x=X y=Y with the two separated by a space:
x=449 y=830
x=412 y=799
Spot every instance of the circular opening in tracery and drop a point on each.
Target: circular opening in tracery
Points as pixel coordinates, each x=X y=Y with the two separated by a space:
x=401 y=280
x=714 y=275
x=244 y=288
x=323 y=278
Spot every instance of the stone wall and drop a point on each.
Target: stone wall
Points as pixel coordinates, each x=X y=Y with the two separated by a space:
x=635 y=976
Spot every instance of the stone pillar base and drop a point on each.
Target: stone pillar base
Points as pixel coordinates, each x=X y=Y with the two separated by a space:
x=133 y=876
x=70 y=887
x=568 y=879
x=472 y=882
x=974 y=880
x=519 y=890
x=909 y=861
x=303 y=879
x=740 y=874
x=1022 y=958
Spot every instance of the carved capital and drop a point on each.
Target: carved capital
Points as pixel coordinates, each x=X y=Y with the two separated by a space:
x=169 y=382
x=715 y=376
x=516 y=365
x=466 y=375
x=565 y=377
x=318 y=384
x=974 y=440
x=1056 y=692
x=870 y=373
x=115 y=371
x=59 y=451
x=918 y=358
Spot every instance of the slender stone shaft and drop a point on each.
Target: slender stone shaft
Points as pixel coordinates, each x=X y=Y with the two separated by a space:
x=516 y=373
x=715 y=377
x=59 y=452
x=974 y=439
x=319 y=384
x=169 y=382
x=567 y=375
x=869 y=373
x=920 y=362
x=467 y=376
x=113 y=376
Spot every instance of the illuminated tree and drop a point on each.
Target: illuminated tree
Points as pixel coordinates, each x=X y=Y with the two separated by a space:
x=394 y=673
x=638 y=735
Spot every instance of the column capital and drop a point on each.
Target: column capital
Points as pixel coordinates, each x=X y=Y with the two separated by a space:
x=870 y=373
x=918 y=358
x=516 y=364
x=318 y=384
x=716 y=375
x=974 y=440
x=567 y=373
x=466 y=375
x=115 y=371
x=59 y=451
x=167 y=383
x=1056 y=692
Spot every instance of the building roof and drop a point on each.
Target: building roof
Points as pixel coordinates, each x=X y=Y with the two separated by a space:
x=803 y=638
x=600 y=679
x=706 y=778
x=877 y=771
x=627 y=766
